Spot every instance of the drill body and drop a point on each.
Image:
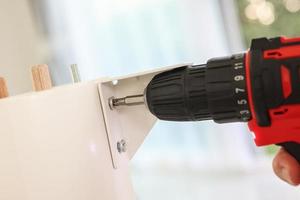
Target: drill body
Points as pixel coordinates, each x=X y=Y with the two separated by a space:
x=260 y=87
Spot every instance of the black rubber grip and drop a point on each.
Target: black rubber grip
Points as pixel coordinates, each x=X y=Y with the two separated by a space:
x=216 y=90
x=179 y=94
x=292 y=148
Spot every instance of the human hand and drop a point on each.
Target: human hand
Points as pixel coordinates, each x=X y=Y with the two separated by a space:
x=286 y=167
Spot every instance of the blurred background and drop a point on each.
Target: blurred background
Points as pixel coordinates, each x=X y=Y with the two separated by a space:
x=115 y=37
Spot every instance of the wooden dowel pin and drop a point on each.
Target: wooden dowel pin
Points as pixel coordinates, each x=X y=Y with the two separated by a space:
x=41 y=78
x=3 y=88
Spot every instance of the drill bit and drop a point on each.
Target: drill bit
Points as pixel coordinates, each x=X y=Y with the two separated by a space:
x=132 y=100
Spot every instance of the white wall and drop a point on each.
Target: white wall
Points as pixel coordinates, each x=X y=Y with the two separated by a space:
x=20 y=44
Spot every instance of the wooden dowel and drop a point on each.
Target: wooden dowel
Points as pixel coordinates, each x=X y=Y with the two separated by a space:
x=3 y=88
x=41 y=78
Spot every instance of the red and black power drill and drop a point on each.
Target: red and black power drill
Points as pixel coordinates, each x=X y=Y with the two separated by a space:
x=261 y=87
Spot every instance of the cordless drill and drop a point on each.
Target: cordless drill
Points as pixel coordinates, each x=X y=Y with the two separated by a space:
x=261 y=87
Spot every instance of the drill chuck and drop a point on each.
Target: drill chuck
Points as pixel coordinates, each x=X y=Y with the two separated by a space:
x=216 y=90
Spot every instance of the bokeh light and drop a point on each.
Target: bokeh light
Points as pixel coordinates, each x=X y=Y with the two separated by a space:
x=250 y=11
x=260 y=10
x=265 y=13
x=292 y=5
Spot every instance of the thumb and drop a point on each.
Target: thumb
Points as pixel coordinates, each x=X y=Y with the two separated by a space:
x=286 y=167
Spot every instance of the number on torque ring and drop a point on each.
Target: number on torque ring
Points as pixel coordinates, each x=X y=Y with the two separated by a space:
x=239 y=78
x=242 y=101
x=244 y=112
x=238 y=90
x=238 y=66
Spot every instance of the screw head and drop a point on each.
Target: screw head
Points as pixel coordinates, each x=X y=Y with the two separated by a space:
x=111 y=103
x=122 y=146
